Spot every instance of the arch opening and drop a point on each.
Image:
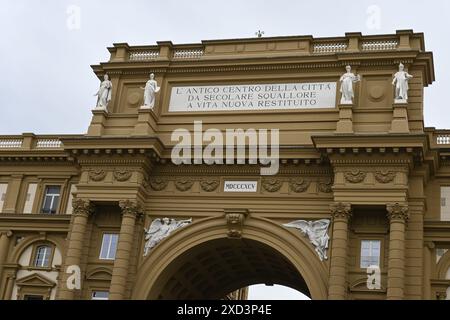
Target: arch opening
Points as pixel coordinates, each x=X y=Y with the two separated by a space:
x=213 y=269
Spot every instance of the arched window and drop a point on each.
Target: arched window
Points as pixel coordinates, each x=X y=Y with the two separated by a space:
x=42 y=256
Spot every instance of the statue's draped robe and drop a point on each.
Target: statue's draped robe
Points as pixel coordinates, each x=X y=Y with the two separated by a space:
x=401 y=85
x=104 y=94
x=347 y=80
x=151 y=87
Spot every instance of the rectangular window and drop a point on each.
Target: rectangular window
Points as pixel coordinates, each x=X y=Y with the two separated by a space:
x=109 y=246
x=42 y=258
x=3 y=188
x=73 y=189
x=370 y=253
x=31 y=193
x=51 y=199
x=445 y=203
x=100 y=295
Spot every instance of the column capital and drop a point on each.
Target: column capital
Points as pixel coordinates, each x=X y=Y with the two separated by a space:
x=397 y=212
x=340 y=210
x=7 y=233
x=131 y=207
x=82 y=207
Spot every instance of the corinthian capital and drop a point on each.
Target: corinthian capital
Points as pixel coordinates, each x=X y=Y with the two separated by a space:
x=130 y=207
x=341 y=210
x=397 y=211
x=82 y=207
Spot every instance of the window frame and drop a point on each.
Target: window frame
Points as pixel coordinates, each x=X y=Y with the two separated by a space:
x=360 y=256
x=32 y=265
x=44 y=196
x=99 y=290
x=103 y=234
x=442 y=185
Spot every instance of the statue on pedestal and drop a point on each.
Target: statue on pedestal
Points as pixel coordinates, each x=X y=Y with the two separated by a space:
x=150 y=90
x=104 y=93
x=347 y=81
x=400 y=81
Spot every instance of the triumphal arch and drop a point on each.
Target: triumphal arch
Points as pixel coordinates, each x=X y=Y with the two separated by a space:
x=213 y=166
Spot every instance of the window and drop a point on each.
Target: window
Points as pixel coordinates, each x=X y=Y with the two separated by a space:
x=445 y=203
x=100 y=295
x=42 y=256
x=109 y=246
x=370 y=253
x=51 y=199
x=29 y=200
x=3 y=188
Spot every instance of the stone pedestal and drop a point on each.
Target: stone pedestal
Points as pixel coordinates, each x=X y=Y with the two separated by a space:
x=345 y=123
x=146 y=124
x=398 y=216
x=98 y=122
x=399 y=122
x=337 y=285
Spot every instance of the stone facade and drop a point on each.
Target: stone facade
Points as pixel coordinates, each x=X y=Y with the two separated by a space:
x=371 y=167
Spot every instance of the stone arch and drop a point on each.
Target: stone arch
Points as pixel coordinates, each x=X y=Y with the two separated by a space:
x=288 y=243
x=30 y=240
x=444 y=265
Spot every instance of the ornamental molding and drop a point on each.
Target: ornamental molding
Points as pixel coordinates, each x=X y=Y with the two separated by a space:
x=235 y=221
x=299 y=185
x=371 y=161
x=341 y=210
x=355 y=176
x=158 y=183
x=122 y=175
x=397 y=212
x=184 y=184
x=325 y=186
x=97 y=174
x=384 y=176
x=209 y=185
x=82 y=207
x=272 y=184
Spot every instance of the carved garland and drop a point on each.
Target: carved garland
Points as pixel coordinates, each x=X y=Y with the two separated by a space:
x=384 y=176
x=325 y=186
x=122 y=175
x=97 y=174
x=355 y=176
x=272 y=185
x=299 y=185
x=209 y=185
x=184 y=184
x=158 y=184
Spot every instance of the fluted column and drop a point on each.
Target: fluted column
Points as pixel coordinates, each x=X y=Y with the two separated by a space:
x=4 y=248
x=398 y=216
x=81 y=212
x=130 y=212
x=337 y=285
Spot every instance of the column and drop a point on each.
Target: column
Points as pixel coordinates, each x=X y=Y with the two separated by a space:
x=337 y=285
x=427 y=270
x=12 y=194
x=398 y=216
x=130 y=211
x=82 y=209
x=10 y=279
x=4 y=248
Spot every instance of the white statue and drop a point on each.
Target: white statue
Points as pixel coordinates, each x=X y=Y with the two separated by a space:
x=400 y=81
x=160 y=229
x=150 y=90
x=347 y=81
x=316 y=231
x=104 y=93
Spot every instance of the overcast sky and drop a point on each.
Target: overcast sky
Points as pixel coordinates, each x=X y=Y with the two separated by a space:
x=47 y=85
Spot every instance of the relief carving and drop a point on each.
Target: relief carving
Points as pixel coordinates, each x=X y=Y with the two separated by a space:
x=209 y=185
x=122 y=175
x=184 y=184
x=355 y=176
x=325 y=186
x=235 y=222
x=97 y=174
x=158 y=184
x=384 y=176
x=272 y=185
x=299 y=185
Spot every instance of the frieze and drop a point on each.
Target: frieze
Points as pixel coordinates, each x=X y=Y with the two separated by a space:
x=184 y=184
x=384 y=176
x=355 y=176
x=272 y=185
x=97 y=174
x=158 y=184
x=122 y=175
x=325 y=186
x=299 y=185
x=209 y=185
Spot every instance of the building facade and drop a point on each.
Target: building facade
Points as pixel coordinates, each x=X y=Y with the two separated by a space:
x=368 y=182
